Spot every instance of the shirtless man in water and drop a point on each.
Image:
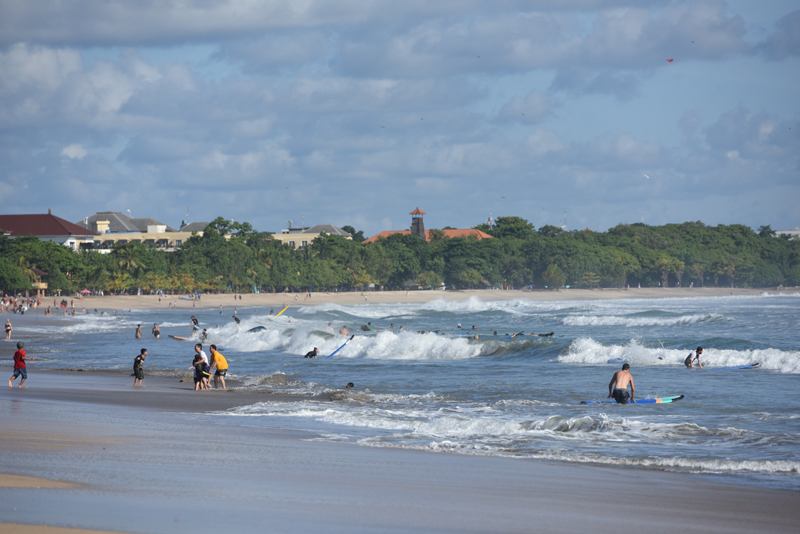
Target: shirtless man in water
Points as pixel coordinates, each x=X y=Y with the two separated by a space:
x=618 y=387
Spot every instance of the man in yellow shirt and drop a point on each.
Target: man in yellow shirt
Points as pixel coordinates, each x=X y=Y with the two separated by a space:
x=221 y=364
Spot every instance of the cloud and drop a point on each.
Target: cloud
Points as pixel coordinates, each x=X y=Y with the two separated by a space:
x=531 y=109
x=785 y=40
x=75 y=151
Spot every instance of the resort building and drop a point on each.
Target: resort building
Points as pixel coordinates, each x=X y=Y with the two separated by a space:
x=48 y=227
x=119 y=229
x=418 y=229
x=301 y=237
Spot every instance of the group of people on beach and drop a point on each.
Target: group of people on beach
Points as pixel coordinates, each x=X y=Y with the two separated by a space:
x=203 y=368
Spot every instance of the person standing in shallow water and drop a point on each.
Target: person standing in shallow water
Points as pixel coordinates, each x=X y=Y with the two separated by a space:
x=138 y=368
x=9 y=328
x=20 y=369
x=694 y=356
x=618 y=387
x=139 y=331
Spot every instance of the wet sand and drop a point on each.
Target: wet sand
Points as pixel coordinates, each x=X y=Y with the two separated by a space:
x=149 y=460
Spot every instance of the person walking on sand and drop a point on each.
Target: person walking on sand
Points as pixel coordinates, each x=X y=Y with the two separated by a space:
x=618 y=387
x=219 y=362
x=694 y=355
x=138 y=371
x=156 y=333
x=9 y=328
x=20 y=368
x=139 y=331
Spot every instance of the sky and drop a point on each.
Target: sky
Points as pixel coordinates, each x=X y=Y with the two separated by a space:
x=356 y=112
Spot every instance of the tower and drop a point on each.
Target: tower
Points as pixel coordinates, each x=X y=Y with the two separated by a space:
x=417 y=225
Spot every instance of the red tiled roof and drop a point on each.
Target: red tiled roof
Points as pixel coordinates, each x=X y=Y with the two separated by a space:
x=417 y=212
x=40 y=225
x=462 y=232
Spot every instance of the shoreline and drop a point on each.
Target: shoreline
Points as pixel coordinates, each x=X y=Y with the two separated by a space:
x=157 y=449
x=279 y=300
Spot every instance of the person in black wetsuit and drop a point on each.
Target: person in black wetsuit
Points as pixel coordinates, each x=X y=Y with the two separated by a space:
x=312 y=353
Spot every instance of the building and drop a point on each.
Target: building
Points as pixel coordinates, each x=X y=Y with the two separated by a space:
x=794 y=233
x=302 y=236
x=119 y=229
x=48 y=227
x=418 y=229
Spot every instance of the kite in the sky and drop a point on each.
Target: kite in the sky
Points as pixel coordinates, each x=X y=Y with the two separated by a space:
x=669 y=60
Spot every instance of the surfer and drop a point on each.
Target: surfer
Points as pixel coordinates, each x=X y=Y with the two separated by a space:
x=195 y=325
x=204 y=335
x=344 y=331
x=694 y=355
x=156 y=333
x=238 y=321
x=312 y=353
x=138 y=372
x=349 y=385
x=618 y=387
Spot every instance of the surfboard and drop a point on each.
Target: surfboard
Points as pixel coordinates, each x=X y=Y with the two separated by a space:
x=748 y=366
x=280 y=312
x=257 y=329
x=657 y=400
x=179 y=338
x=617 y=360
x=515 y=335
x=340 y=348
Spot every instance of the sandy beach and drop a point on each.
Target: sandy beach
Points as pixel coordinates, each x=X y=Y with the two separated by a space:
x=112 y=458
x=279 y=300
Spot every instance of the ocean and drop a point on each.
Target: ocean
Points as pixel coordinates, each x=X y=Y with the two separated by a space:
x=433 y=387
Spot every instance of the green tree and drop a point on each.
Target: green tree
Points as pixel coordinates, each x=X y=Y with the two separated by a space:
x=554 y=277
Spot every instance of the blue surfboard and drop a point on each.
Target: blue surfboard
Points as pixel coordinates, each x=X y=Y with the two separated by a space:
x=340 y=348
x=656 y=400
x=748 y=366
x=617 y=360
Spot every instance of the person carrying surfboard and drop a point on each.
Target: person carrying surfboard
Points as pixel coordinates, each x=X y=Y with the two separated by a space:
x=618 y=387
x=694 y=355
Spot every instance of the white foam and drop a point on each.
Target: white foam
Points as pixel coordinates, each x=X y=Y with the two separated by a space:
x=631 y=321
x=589 y=351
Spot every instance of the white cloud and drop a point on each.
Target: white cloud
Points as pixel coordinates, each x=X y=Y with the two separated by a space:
x=74 y=151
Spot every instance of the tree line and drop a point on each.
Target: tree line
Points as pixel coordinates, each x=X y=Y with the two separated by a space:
x=232 y=256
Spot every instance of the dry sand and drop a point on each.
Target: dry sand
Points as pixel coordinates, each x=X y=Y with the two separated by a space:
x=278 y=300
x=148 y=460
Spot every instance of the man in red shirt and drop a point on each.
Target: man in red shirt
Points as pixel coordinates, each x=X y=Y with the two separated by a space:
x=19 y=365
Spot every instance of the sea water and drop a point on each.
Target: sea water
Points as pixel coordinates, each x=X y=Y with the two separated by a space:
x=432 y=386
